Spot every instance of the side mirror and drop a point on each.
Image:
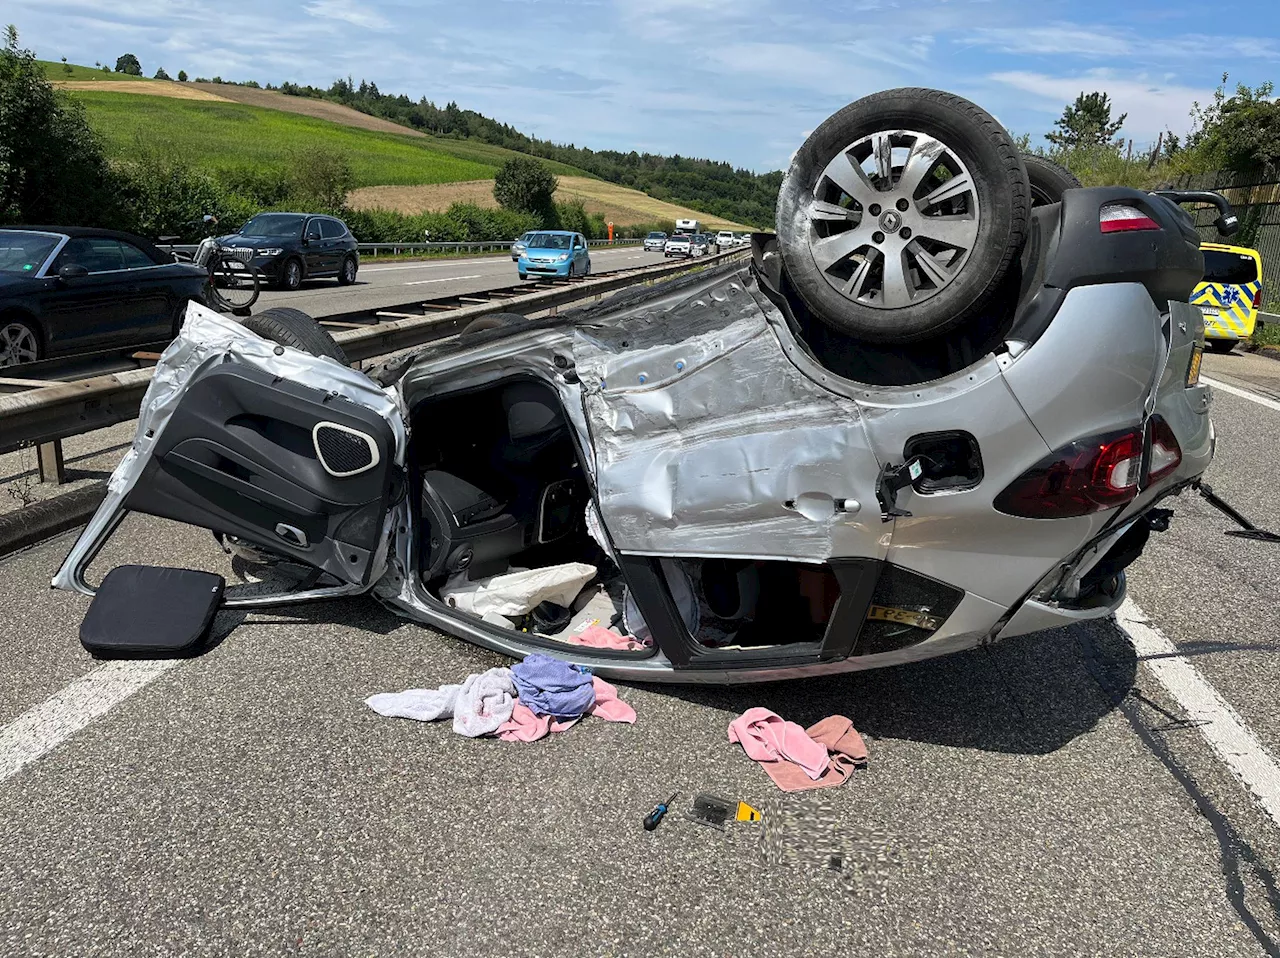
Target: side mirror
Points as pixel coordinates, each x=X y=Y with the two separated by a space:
x=1227 y=225
x=72 y=271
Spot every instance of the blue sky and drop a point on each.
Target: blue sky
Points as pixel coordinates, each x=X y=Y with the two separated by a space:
x=738 y=80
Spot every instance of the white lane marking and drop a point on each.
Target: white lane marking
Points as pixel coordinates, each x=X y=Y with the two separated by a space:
x=1242 y=393
x=446 y=279
x=44 y=727
x=453 y=262
x=1221 y=725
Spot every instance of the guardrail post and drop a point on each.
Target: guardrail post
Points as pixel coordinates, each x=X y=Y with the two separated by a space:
x=52 y=468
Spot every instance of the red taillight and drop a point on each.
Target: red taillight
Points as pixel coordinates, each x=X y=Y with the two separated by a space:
x=1166 y=454
x=1086 y=476
x=1121 y=218
x=1257 y=298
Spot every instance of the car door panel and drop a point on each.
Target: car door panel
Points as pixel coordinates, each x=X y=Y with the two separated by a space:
x=256 y=456
x=150 y=299
x=313 y=248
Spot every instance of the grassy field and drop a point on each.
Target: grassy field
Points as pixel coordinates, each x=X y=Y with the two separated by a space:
x=233 y=135
x=616 y=203
x=55 y=71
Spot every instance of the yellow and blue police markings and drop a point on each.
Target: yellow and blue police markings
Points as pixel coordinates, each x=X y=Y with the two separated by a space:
x=1228 y=308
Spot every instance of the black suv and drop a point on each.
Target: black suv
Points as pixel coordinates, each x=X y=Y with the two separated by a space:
x=291 y=247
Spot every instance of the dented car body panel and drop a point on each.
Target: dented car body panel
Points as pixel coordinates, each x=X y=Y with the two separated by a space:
x=706 y=431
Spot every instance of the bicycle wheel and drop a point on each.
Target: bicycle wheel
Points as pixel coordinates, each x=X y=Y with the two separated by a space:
x=235 y=285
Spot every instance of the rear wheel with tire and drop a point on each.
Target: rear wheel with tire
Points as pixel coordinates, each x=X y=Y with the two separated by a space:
x=291 y=275
x=901 y=214
x=347 y=274
x=1048 y=180
x=19 y=341
x=293 y=327
x=493 y=321
x=1221 y=345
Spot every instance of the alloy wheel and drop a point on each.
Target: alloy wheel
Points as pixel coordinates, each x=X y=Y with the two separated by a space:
x=18 y=345
x=893 y=218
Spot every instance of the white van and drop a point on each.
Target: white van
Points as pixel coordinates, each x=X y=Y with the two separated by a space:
x=726 y=240
x=686 y=226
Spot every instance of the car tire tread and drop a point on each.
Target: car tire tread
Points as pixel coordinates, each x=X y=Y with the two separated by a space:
x=293 y=327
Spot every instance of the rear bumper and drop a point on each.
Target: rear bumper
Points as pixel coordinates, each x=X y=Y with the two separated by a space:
x=1225 y=324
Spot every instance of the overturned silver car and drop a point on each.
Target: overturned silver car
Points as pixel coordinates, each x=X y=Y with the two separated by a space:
x=925 y=416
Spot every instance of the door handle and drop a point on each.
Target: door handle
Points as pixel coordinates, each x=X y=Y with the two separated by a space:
x=292 y=535
x=820 y=507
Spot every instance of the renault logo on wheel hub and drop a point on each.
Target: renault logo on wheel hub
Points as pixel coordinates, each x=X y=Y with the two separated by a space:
x=891 y=221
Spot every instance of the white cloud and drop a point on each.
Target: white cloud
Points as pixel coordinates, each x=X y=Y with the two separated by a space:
x=1153 y=105
x=1055 y=38
x=359 y=16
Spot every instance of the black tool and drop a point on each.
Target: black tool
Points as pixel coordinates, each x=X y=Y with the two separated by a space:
x=1247 y=529
x=651 y=820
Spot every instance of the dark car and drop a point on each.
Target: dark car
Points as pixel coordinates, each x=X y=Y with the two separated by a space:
x=291 y=247
x=70 y=290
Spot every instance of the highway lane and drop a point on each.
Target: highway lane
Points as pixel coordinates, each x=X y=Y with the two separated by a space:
x=385 y=282
x=1046 y=795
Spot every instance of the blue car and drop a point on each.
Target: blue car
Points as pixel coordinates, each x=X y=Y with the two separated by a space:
x=554 y=253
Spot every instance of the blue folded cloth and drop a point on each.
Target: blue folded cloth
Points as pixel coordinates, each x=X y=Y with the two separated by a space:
x=548 y=686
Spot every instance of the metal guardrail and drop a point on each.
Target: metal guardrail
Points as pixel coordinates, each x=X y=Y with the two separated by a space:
x=53 y=412
x=373 y=249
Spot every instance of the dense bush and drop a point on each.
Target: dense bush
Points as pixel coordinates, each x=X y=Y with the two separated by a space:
x=526 y=186
x=52 y=166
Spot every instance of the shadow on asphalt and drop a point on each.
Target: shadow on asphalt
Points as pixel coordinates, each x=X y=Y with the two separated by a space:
x=1029 y=695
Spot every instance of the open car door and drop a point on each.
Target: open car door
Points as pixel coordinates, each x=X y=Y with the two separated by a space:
x=291 y=452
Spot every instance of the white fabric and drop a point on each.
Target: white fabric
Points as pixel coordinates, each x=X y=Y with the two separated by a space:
x=478 y=706
x=517 y=593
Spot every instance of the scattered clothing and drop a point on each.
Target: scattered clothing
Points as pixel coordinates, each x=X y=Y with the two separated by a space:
x=478 y=706
x=549 y=686
x=598 y=637
x=608 y=706
x=845 y=752
x=525 y=726
x=767 y=738
x=516 y=593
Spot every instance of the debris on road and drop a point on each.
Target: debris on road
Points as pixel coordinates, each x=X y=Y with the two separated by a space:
x=797 y=760
x=478 y=706
x=524 y=703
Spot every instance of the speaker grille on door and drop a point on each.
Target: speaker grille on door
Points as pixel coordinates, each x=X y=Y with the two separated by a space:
x=344 y=451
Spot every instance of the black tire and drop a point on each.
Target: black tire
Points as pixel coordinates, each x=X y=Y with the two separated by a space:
x=1000 y=186
x=1221 y=345
x=1048 y=180
x=291 y=272
x=493 y=321
x=347 y=271
x=293 y=327
x=20 y=341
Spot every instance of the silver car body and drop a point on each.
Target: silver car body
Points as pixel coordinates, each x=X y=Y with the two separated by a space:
x=706 y=429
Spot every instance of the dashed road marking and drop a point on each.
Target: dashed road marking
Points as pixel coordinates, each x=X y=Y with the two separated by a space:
x=446 y=279
x=44 y=727
x=1219 y=723
x=1242 y=393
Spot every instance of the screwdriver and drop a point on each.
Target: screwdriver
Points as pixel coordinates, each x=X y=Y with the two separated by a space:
x=651 y=820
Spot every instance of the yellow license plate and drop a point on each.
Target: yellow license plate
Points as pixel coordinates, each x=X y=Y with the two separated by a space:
x=1193 y=371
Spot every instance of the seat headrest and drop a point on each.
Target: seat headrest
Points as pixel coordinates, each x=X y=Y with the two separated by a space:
x=531 y=410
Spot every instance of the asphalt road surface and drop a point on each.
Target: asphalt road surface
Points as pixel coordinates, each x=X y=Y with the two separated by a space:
x=386 y=282
x=1108 y=789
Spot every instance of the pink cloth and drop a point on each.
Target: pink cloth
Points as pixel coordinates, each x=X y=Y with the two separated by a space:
x=846 y=751
x=598 y=637
x=766 y=737
x=524 y=726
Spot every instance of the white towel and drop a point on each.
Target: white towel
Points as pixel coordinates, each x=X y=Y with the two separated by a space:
x=478 y=706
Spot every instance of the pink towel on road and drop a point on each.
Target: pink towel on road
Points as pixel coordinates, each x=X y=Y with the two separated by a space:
x=598 y=637
x=524 y=726
x=766 y=737
x=846 y=751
